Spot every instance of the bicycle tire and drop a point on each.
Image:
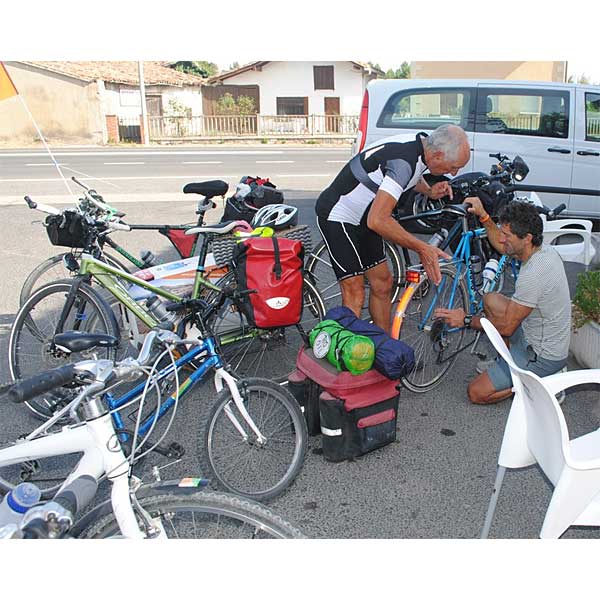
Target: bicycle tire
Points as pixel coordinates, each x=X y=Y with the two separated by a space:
x=229 y=517
x=430 y=341
x=258 y=472
x=53 y=269
x=28 y=338
x=270 y=353
x=318 y=265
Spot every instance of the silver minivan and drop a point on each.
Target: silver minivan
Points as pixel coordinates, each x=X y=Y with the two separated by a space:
x=555 y=127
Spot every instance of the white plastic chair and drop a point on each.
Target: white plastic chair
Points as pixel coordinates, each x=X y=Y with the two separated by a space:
x=576 y=235
x=536 y=432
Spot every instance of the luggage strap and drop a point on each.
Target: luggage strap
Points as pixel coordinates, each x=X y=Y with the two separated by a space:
x=277 y=266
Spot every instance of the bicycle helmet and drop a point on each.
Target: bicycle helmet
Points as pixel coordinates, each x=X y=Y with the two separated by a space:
x=277 y=216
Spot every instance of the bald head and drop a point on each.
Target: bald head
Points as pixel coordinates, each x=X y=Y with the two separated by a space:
x=447 y=147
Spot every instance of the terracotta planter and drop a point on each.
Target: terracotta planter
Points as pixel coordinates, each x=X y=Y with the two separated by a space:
x=585 y=345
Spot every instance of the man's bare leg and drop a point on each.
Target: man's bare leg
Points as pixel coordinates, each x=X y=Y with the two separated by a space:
x=380 y=295
x=353 y=293
x=481 y=391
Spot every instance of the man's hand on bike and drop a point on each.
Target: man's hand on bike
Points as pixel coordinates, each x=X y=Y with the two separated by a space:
x=476 y=207
x=439 y=190
x=455 y=317
x=430 y=257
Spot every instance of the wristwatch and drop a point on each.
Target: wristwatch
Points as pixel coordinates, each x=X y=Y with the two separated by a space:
x=467 y=320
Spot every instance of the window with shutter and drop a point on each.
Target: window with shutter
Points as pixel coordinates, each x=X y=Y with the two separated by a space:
x=323 y=78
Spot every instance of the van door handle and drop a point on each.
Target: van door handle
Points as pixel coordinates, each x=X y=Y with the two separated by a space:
x=587 y=153
x=559 y=150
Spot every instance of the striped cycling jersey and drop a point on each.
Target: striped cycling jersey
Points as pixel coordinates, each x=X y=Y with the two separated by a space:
x=390 y=165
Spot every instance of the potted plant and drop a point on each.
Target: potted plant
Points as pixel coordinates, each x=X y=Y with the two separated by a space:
x=585 y=339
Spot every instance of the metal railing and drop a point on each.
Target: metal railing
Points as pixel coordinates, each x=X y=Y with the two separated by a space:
x=593 y=126
x=253 y=126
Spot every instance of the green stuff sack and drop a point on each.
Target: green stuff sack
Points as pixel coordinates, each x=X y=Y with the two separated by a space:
x=344 y=350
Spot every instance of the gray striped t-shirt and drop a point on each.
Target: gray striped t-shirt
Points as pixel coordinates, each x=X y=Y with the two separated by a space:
x=542 y=285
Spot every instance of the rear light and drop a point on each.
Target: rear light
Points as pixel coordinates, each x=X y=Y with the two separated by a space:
x=413 y=276
x=362 y=122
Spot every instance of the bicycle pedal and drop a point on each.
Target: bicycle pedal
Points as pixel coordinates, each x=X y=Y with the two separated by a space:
x=173 y=450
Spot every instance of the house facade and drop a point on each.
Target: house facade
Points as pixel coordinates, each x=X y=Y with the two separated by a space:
x=494 y=69
x=296 y=87
x=93 y=102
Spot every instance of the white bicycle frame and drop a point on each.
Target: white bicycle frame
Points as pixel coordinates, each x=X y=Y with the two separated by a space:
x=102 y=454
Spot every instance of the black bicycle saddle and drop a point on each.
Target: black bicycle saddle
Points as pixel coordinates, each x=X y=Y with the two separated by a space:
x=78 y=341
x=208 y=189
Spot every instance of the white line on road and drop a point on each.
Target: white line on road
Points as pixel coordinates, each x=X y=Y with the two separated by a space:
x=274 y=162
x=202 y=162
x=235 y=176
x=145 y=153
x=125 y=163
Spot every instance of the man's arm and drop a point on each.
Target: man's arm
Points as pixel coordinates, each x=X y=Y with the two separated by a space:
x=505 y=321
x=380 y=221
x=493 y=233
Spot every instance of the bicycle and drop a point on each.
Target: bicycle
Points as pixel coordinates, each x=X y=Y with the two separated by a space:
x=437 y=345
x=135 y=510
x=252 y=434
x=97 y=220
x=249 y=350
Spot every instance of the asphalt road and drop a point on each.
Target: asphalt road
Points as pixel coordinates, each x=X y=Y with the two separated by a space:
x=433 y=482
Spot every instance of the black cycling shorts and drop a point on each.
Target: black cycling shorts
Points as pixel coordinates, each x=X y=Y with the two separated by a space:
x=354 y=249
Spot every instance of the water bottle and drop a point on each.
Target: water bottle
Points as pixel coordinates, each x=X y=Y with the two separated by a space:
x=489 y=274
x=156 y=306
x=476 y=270
x=438 y=237
x=147 y=257
x=17 y=502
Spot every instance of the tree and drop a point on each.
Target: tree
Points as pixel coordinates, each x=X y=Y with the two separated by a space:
x=402 y=73
x=201 y=68
x=228 y=105
x=234 y=65
x=583 y=78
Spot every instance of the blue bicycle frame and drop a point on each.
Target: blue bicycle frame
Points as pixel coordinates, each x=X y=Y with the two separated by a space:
x=212 y=360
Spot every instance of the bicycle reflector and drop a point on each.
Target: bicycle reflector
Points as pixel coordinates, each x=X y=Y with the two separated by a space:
x=413 y=276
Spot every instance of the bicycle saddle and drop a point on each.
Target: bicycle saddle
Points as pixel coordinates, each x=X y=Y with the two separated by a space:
x=78 y=341
x=457 y=209
x=219 y=228
x=208 y=189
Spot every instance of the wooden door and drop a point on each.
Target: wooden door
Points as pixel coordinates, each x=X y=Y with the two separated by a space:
x=332 y=111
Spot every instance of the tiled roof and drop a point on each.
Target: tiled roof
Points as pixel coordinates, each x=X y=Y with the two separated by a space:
x=258 y=66
x=120 y=71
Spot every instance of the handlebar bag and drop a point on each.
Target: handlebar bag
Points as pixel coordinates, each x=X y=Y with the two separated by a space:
x=67 y=229
x=274 y=269
x=393 y=358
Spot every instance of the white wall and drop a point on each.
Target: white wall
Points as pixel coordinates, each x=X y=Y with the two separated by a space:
x=124 y=101
x=295 y=78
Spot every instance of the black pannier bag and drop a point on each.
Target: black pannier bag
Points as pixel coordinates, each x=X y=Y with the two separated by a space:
x=67 y=229
x=243 y=207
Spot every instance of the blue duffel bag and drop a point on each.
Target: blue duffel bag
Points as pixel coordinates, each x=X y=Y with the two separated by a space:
x=393 y=358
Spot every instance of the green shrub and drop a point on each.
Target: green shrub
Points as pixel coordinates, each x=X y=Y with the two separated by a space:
x=586 y=303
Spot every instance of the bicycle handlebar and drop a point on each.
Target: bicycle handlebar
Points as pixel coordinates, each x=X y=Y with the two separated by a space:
x=42 y=383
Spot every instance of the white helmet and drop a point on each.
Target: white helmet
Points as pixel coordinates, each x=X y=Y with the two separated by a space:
x=277 y=216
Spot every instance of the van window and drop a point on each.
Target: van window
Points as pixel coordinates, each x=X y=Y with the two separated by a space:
x=427 y=109
x=523 y=112
x=592 y=117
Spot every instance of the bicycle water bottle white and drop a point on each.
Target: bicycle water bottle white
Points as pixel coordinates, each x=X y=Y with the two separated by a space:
x=489 y=274
x=17 y=502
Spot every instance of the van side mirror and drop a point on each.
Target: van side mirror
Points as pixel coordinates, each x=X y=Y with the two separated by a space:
x=520 y=169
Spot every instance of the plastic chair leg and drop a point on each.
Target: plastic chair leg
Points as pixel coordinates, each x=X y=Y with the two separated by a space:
x=493 y=501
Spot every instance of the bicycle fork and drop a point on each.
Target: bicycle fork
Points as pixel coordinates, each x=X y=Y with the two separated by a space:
x=220 y=375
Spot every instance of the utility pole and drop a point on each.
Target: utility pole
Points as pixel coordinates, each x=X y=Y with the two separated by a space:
x=146 y=140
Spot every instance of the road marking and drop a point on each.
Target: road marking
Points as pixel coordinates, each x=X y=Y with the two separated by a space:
x=125 y=163
x=146 y=153
x=274 y=162
x=221 y=176
x=45 y=164
x=202 y=162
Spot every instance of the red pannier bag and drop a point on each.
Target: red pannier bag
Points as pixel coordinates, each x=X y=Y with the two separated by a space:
x=274 y=268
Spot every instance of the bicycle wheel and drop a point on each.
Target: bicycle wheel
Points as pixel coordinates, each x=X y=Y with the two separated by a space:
x=241 y=464
x=34 y=328
x=203 y=515
x=269 y=353
x=435 y=345
x=52 y=269
x=318 y=264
